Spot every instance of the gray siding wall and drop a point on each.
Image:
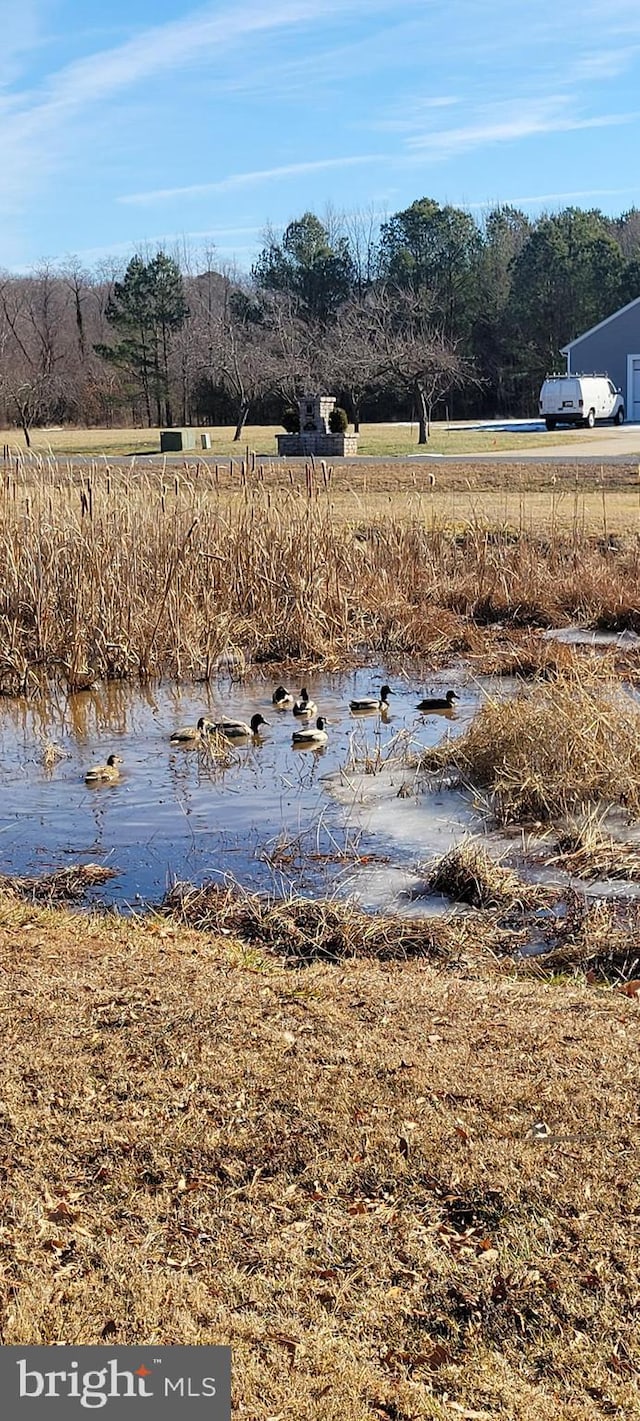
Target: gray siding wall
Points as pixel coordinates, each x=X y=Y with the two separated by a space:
x=606 y=351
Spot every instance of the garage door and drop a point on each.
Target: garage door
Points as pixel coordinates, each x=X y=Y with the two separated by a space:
x=634 y=387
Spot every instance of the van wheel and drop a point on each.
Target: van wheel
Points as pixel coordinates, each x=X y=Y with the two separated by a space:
x=619 y=418
x=591 y=419
x=550 y=423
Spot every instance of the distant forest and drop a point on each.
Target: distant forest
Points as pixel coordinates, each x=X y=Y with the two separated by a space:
x=429 y=312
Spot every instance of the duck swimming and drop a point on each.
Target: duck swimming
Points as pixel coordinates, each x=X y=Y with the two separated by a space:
x=104 y=774
x=438 y=703
x=188 y=733
x=238 y=729
x=372 y=703
x=282 y=699
x=305 y=706
x=311 y=734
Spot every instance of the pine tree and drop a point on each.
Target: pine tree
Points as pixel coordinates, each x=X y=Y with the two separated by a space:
x=146 y=308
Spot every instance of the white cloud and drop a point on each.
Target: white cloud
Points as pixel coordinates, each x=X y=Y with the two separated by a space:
x=242 y=180
x=505 y=123
x=21 y=32
x=603 y=64
x=541 y=198
x=35 y=125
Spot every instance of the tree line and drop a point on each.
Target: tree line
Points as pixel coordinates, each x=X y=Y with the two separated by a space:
x=426 y=311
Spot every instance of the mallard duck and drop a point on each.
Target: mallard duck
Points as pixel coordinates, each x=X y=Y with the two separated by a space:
x=238 y=729
x=312 y=734
x=100 y=774
x=282 y=699
x=305 y=706
x=438 y=703
x=372 y=703
x=188 y=733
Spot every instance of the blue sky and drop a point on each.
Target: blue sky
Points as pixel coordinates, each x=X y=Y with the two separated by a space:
x=135 y=123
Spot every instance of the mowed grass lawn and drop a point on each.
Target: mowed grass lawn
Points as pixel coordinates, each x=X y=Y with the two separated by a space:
x=400 y=1192
x=375 y=440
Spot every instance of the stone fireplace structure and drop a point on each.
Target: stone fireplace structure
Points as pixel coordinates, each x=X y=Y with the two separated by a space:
x=315 y=437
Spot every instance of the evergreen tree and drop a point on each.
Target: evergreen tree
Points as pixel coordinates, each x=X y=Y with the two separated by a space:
x=145 y=309
x=308 y=267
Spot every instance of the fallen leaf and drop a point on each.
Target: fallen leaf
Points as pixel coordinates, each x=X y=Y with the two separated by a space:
x=489 y=1255
x=60 y=1212
x=438 y=1357
x=630 y=989
x=291 y=1343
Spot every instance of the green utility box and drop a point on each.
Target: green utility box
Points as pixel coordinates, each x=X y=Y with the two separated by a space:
x=173 y=441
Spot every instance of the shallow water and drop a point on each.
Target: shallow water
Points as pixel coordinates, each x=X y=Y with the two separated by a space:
x=175 y=814
x=275 y=819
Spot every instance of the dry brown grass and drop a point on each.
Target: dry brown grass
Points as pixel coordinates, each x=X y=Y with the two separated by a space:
x=397 y=1192
x=303 y=930
x=599 y=938
x=61 y=886
x=584 y=848
x=553 y=749
x=469 y=874
x=129 y=572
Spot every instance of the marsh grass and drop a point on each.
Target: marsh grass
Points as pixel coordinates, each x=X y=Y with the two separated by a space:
x=304 y=930
x=61 y=886
x=598 y=938
x=124 y=572
x=468 y=873
x=585 y=849
x=555 y=747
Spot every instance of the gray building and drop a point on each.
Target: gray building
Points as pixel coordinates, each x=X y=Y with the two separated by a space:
x=612 y=348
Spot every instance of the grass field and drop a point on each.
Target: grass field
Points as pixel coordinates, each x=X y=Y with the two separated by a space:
x=397 y=1191
x=377 y=440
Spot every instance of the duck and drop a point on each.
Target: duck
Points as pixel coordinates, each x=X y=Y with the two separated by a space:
x=238 y=729
x=188 y=733
x=438 y=703
x=282 y=699
x=312 y=734
x=372 y=703
x=104 y=774
x=305 y=706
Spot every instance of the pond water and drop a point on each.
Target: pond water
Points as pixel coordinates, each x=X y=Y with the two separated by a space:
x=272 y=818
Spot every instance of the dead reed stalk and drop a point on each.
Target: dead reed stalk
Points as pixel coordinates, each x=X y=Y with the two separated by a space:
x=469 y=874
x=148 y=576
x=557 y=746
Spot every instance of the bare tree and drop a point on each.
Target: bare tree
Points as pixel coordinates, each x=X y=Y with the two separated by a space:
x=416 y=358
x=293 y=349
x=352 y=354
x=32 y=372
x=362 y=231
x=241 y=360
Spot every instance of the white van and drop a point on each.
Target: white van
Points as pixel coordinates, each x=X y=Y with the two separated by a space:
x=580 y=399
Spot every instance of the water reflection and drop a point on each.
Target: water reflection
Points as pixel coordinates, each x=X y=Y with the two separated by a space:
x=185 y=810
